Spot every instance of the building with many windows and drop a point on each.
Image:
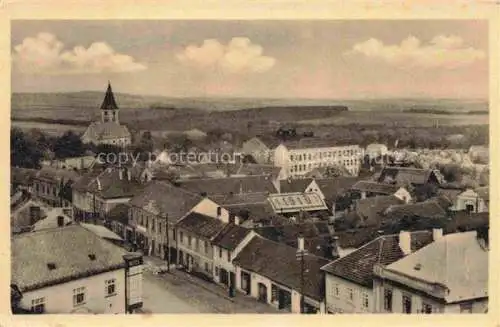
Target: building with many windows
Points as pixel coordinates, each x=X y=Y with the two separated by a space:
x=300 y=157
x=72 y=270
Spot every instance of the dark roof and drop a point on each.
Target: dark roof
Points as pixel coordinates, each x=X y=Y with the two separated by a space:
x=401 y=175
x=270 y=141
x=461 y=221
x=255 y=169
x=358 y=266
x=162 y=198
x=22 y=176
x=295 y=185
x=119 y=213
x=333 y=187
x=110 y=183
x=230 y=237
x=109 y=100
x=354 y=238
x=374 y=187
x=371 y=210
x=450 y=193
x=56 y=174
x=68 y=248
x=290 y=232
x=240 y=199
x=316 y=142
x=202 y=225
x=234 y=185
x=257 y=212
x=278 y=262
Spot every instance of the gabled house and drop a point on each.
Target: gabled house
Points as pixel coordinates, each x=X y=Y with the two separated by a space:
x=449 y=275
x=260 y=148
x=470 y=200
x=26 y=213
x=229 y=185
x=54 y=218
x=22 y=179
x=53 y=186
x=404 y=175
x=349 y=286
x=270 y=272
x=366 y=189
x=370 y=212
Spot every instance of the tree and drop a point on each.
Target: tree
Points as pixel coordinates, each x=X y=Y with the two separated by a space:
x=424 y=192
x=68 y=145
x=23 y=151
x=451 y=173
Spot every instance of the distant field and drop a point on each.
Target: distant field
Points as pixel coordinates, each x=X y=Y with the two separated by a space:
x=51 y=129
x=398 y=119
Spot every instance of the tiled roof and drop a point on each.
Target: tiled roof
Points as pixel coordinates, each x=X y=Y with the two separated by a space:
x=255 y=211
x=56 y=174
x=333 y=187
x=426 y=209
x=402 y=175
x=371 y=210
x=160 y=198
x=290 y=232
x=50 y=221
x=295 y=202
x=230 y=237
x=66 y=247
x=450 y=193
x=357 y=266
x=119 y=213
x=23 y=176
x=255 y=170
x=456 y=261
x=101 y=231
x=294 y=185
x=110 y=183
x=217 y=186
x=202 y=225
x=308 y=143
x=278 y=262
x=374 y=187
x=105 y=131
x=240 y=199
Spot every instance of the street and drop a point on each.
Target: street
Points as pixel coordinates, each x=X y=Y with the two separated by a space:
x=178 y=292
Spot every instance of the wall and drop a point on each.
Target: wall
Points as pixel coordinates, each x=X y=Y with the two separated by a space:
x=259 y=151
x=209 y=208
x=223 y=262
x=59 y=298
x=201 y=255
x=470 y=197
x=342 y=302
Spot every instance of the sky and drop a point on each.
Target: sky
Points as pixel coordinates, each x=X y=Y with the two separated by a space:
x=324 y=59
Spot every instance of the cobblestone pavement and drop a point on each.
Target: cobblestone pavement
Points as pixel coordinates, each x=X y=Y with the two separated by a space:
x=179 y=292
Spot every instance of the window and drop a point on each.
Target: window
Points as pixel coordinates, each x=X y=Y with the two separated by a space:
x=181 y=237
x=205 y=244
x=274 y=293
x=54 y=191
x=291 y=200
x=159 y=227
x=388 y=300
x=78 y=296
x=336 y=290
x=197 y=243
x=206 y=267
x=365 y=300
x=406 y=304
x=216 y=271
x=220 y=253
x=219 y=211
x=466 y=308
x=152 y=224
x=350 y=294
x=38 y=305
x=426 y=308
x=229 y=256
x=110 y=287
x=190 y=240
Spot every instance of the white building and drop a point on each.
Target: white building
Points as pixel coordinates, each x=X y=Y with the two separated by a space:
x=472 y=200
x=449 y=275
x=72 y=270
x=301 y=157
x=108 y=130
x=375 y=150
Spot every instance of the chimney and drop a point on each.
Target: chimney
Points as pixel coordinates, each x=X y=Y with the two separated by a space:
x=120 y=173
x=60 y=221
x=129 y=175
x=35 y=214
x=300 y=242
x=231 y=218
x=219 y=212
x=437 y=233
x=334 y=246
x=405 y=242
x=236 y=220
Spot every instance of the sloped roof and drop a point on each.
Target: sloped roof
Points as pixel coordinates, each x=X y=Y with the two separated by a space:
x=68 y=248
x=255 y=169
x=101 y=231
x=465 y=221
x=335 y=186
x=295 y=185
x=109 y=130
x=278 y=262
x=23 y=176
x=201 y=225
x=450 y=193
x=50 y=221
x=295 y=202
x=357 y=266
x=371 y=186
x=234 y=185
x=161 y=198
x=109 y=100
x=110 y=183
x=56 y=174
x=119 y=213
x=291 y=232
x=240 y=199
x=230 y=236
x=456 y=261
x=405 y=174
x=371 y=210
x=426 y=209
x=313 y=142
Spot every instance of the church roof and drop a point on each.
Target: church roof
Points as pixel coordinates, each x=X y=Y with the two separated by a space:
x=105 y=131
x=109 y=100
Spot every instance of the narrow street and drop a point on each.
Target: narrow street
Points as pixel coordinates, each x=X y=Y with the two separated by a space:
x=179 y=292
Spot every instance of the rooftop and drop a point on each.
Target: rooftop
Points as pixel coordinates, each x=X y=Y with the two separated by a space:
x=295 y=202
x=374 y=187
x=229 y=185
x=201 y=225
x=107 y=130
x=230 y=237
x=402 y=175
x=68 y=249
x=109 y=100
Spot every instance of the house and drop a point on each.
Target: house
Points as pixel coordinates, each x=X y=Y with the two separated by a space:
x=108 y=130
x=118 y=221
x=376 y=150
x=270 y=272
x=260 y=148
x=471 y=200
x=54 y=186
x=276 y=174
x=450 y=193
x=296 y=204
x=229 y=185
x=156 y=210
x=226 y=246
x=426 y=209
x=54 y=218
x=366 y=189
x=195 y=233
x=449 y=275
x=349 y=284
x=98 y=192
x=72 y=270
x=195 y=134
x=371 y=211
x=479 y=153
x=297 y=158
x=22 y=179
x=404 y=175
x=29 y=212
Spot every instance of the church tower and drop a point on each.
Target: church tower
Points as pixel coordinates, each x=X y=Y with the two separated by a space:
x=109 y=109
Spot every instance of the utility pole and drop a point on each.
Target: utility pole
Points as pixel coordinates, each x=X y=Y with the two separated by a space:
x=301 y=252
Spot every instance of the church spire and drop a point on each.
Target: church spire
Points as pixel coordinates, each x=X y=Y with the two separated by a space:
x=109 y=102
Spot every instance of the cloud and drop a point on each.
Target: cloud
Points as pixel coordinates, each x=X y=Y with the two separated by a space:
x=45 y=54
x=240 y=55
x=442 y=51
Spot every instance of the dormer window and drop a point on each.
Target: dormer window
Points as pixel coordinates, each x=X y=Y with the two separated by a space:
x=92 y=257
x=51 y=265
